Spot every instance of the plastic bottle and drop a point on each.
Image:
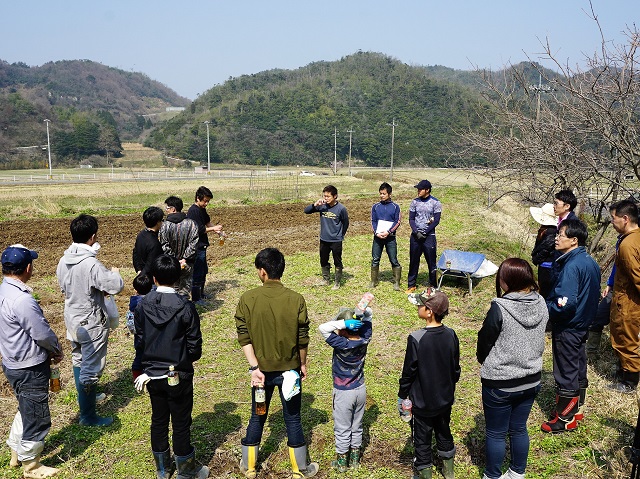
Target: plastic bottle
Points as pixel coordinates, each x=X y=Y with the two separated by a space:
x=362 y=305
x=54 y=381
x=172 y=377
x=223 y=236
x=406 y=409
x=261 y=404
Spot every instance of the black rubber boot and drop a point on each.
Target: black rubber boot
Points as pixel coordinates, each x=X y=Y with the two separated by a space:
x=165 y=466
x=566 y=409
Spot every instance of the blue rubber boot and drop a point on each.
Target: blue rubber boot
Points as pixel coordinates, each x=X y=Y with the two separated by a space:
x=87 y=403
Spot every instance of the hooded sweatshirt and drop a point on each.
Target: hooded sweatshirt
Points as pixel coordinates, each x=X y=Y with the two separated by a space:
x=84 y=281
x=511 y=341
x=167 y=333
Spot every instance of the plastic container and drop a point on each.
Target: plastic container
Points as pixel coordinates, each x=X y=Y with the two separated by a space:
x=261 y=401
x=406 y=409
x=362 y=305
x=223 y=236
x=172 y=377
x=54 y=380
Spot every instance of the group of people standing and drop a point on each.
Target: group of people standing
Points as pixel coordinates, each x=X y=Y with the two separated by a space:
x=171 y=255
x=424 y=215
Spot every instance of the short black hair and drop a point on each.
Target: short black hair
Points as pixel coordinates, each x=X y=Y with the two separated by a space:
x=203 y=192
x=151 y=216
x=175 y=202
x=626 y=207
x=575 y=229
x=272 y=261
x=83 y=228
x=386 y=186
x=142 y=283
x=567 y=196
x=166 y=270
x=15 y=270
x=332 y=190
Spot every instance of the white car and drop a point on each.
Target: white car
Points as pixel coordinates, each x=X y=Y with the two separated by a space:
x=307 y=173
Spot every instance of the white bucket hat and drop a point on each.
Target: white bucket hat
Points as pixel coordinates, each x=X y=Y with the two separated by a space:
x=545 y=215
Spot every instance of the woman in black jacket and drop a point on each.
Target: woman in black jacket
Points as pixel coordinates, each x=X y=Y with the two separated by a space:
x=543 y=251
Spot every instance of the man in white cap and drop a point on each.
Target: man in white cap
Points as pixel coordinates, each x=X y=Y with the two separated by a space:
x=27 y=345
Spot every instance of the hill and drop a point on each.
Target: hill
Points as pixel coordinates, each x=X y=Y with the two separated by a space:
x=82 y=99
x=289 y=116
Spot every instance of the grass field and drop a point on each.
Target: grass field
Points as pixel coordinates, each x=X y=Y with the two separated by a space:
x=222 y=399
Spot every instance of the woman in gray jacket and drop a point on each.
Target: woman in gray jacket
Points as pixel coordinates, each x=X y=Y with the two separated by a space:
x=510 y=347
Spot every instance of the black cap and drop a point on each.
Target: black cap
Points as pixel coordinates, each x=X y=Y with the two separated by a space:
x=423 y=185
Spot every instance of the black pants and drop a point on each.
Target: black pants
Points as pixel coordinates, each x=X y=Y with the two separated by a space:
x=423 y=429
x=569 y=358
x=334 y=247
x=418 y=248
x=175 y=402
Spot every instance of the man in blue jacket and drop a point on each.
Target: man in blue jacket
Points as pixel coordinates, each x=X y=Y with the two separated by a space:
x=572 y=303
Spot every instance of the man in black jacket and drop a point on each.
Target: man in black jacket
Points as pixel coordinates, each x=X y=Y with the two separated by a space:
x=147 y=247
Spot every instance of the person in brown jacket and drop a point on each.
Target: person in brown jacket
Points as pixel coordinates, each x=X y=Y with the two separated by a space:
x=625 y=304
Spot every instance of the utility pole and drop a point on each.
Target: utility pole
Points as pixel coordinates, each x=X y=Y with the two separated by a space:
x=350 y=131
x=539 y=89
x=49 y=148
x=335 y=151
x=393 y=137
x=208 y=150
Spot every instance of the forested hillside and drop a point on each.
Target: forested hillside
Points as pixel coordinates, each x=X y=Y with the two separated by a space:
x=289 y=116
x=91 y=107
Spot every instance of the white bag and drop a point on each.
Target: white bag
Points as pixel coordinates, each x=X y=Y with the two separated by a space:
x=111 y=310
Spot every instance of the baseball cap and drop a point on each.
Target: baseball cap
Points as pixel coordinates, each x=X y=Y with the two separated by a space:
x=423 y=185
x=17 y=256
x=433 y=299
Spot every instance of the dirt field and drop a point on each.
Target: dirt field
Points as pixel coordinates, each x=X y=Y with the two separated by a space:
x=250 y=229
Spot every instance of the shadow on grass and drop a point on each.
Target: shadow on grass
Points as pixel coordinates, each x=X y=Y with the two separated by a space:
x=74 y=439
x=311 y=417
x=212 y=288
x=475 y=443
x=211 y=429
x=369 y=418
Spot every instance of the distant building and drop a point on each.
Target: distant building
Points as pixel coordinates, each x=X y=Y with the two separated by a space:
x=200 y=169
x=175 y=108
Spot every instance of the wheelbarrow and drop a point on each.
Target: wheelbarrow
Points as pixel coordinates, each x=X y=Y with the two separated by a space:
x=460 y=264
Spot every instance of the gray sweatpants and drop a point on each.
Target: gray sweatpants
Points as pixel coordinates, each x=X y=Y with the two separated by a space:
x=348 y=410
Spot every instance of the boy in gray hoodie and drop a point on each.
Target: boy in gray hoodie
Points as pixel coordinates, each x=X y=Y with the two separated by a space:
x=85 y=281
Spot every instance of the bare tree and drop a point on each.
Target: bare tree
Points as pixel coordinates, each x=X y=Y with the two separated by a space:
x=580 y=129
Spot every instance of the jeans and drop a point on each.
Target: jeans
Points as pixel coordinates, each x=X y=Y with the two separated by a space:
x=334 y=247
x=175 y=403
x=31 y=387
x=423 y=429
x=416 y=250
x=290 y=410
x=200 y=269
x=506 y=412
x=392 y=250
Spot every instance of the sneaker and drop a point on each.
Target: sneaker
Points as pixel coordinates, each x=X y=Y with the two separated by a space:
x=201 y=302
x=410 y=289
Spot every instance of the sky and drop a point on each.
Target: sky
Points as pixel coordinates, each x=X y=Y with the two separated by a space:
x=193 y=45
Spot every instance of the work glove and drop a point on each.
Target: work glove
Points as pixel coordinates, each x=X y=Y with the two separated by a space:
x=420 y=236
x=353 y=324
x=141 y=381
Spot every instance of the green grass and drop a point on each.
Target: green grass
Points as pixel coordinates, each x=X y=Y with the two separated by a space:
x=222 y=398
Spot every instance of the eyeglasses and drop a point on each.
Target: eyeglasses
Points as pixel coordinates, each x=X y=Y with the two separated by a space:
x=562 y=235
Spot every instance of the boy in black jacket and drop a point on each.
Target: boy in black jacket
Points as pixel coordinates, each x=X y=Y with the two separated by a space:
x=429 y=376
x=168 y=339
